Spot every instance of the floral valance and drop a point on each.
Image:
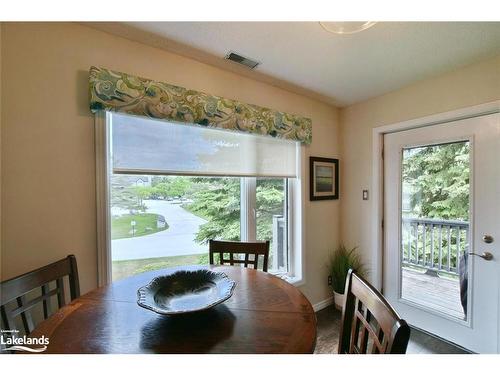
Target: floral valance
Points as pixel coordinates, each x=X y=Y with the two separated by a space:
x=121 y=92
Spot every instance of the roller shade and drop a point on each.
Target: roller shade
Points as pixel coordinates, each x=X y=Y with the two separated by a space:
x=147 y=146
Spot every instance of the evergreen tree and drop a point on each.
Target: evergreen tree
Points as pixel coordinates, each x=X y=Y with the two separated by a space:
x=438 y=180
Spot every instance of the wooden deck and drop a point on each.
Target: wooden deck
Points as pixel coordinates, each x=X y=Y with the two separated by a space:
x=433 y=292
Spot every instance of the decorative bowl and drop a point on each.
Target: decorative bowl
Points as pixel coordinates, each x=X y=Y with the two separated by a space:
x=185 y=291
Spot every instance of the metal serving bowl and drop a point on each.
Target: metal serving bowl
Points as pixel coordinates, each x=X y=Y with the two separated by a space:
x=185 y=291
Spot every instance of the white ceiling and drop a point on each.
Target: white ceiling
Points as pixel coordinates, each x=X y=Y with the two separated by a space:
x=343 y=68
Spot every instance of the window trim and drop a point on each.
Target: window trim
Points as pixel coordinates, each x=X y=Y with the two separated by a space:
x=296 y=222
x=296 y=208
x=248 y=222
x=102 y=129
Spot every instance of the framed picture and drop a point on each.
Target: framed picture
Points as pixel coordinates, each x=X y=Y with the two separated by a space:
x=324 y=178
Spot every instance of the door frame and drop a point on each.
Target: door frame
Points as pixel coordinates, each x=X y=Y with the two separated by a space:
x=377 y=213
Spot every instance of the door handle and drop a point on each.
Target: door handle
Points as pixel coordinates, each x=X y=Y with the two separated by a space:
x=486 y=255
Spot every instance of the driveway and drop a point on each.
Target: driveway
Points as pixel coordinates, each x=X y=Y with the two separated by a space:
x=178 y=239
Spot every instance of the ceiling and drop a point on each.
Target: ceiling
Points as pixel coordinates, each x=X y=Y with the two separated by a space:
x=339 y=69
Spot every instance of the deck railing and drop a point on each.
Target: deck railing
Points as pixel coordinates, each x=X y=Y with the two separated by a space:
x=435 y=245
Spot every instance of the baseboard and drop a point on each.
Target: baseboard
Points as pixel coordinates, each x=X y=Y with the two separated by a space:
x=322 y=304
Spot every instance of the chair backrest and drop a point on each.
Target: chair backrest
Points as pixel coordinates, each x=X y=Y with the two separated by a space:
x=369 y=324
x=15 y=292
x=232 y=248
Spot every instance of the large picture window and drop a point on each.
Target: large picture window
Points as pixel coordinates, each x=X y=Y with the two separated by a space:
x=172 y=187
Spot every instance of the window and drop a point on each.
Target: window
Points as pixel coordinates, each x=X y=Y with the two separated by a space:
x=271 y=219
x=172 y=187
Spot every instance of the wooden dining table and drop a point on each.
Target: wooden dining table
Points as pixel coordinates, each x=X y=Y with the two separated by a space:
x=264 y=315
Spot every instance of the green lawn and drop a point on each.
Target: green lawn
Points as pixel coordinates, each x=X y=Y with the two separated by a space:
x=124 y=268
x=145 y=224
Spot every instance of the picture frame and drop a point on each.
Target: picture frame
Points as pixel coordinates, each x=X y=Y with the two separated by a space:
x=324 y=178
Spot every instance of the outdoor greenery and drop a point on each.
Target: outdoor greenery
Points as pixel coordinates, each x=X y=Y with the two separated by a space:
x=437 y=180
x=126 y=195
x=218 y=201
x=215 y=199
x=341 y=260
x=438 y=177
x=270 y=195
x=169 y=187
x=145 y=224
x=125 y=268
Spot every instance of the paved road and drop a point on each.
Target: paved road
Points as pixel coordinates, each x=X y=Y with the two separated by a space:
x=178 y=239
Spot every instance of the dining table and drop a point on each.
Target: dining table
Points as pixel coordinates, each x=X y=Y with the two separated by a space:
x=265 y=314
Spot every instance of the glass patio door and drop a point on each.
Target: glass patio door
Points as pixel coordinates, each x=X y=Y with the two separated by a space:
x=441 y=235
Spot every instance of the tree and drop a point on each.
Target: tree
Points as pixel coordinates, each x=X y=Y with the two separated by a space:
x=141 y=192
x=217 y=200
x=171 y=186
x=124 y=195
x=269 y=201
x=438 y=180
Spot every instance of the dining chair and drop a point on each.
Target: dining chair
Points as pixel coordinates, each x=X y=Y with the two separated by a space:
x=232 y=248
x=369 y=324
x=17 y=301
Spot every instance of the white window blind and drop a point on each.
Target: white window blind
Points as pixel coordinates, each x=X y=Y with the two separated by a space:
x=147 y=146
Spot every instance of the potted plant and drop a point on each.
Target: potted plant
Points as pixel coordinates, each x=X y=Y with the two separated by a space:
x=341 y=260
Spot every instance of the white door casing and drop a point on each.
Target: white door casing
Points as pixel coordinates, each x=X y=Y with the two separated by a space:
x=479 y=332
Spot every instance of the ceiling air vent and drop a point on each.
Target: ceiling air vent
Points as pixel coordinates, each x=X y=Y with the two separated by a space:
x=249 y=63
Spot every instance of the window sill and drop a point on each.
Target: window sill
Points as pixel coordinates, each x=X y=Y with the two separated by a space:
x=294 y=280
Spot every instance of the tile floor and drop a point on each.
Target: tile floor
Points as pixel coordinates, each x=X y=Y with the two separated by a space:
x=420 y=342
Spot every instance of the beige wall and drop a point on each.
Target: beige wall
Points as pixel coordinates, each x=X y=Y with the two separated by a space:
x=48 y=171
x=471 y=85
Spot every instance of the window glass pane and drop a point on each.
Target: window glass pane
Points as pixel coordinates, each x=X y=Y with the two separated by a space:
x=166 y=221
x=271 y=219
x=174 y=186
x=160 y=147
x=435 y=227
